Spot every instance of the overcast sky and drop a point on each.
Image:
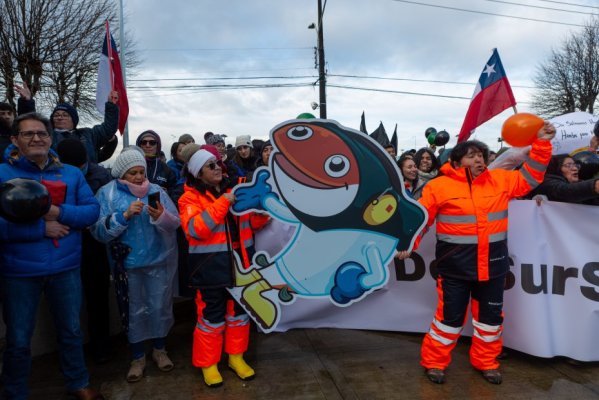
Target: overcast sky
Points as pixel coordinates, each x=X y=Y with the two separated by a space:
x=188 y=47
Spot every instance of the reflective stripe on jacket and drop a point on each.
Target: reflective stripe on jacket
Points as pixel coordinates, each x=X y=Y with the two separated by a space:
x=472 y=214
x=203 y=219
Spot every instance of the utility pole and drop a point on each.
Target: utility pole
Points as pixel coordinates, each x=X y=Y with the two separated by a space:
x=321 y=65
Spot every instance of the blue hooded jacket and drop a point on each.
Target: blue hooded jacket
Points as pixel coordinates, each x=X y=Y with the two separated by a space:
x=152 y=242
x=25 y=251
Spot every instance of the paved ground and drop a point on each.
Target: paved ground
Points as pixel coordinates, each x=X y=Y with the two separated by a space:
x=328 y=364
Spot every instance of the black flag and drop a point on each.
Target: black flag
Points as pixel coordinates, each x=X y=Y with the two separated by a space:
x=363 y=124
x=394 y=139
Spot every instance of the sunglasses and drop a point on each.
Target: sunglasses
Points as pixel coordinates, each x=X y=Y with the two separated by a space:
x=148 y=142
x=212 y=166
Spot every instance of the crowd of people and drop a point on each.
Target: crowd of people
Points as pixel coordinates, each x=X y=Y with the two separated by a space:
x=146 y=222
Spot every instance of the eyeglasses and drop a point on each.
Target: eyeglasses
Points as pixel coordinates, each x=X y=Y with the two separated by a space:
x=571 y=165
x=60 y=115
x=148 y=142
x=212 y=166
x=31 y=134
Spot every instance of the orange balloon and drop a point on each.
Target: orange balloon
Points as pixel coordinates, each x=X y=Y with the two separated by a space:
x=521 y=129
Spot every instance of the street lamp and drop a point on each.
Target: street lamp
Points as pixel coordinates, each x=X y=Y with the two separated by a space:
x=321 y=63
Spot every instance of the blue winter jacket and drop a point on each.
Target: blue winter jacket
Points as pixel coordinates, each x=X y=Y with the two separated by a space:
x=93 y=138
x=25 y=251
x=152 y=242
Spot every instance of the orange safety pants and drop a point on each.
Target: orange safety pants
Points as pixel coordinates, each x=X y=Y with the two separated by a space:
x=487 y=317
x=220 y=319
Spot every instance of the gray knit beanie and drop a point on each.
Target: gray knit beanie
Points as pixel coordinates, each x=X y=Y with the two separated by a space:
x=130 y=157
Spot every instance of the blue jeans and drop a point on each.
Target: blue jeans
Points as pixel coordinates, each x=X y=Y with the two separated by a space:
x=21 y=297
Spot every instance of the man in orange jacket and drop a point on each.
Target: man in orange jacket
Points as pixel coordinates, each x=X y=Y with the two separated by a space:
x=470 y=204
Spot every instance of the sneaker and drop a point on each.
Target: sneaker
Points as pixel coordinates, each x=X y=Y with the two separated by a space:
x=435 y=375
x=492 y=376
x=162 y=360
x=136 y=370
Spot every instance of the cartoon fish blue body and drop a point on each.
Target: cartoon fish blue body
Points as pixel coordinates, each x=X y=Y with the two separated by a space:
x=346 y=197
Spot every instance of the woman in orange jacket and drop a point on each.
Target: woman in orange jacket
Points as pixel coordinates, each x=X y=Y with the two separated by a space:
x=217 y=240
x=470 y=205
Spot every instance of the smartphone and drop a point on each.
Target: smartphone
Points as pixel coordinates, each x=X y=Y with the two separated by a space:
x=153 y=199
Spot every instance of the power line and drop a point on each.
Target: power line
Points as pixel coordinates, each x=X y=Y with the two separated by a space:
x=569 y=4
x=227 y=49
x=202 y=87
x=487 y=13
x=539 y=7
x=188 y=79
x=191 y=89
x=443 y=96
x=222 y=78
x=417 y=80
x=400 y=92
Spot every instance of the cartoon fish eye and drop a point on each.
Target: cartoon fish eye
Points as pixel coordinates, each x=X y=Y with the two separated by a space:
x=336 y=166
x=299 y=133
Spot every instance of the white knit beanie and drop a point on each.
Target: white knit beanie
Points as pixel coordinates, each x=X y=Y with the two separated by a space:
x=197 y=161
x=130 y=157
x=243 y=140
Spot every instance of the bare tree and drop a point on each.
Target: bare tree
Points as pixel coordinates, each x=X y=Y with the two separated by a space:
x=54 y=46
x=569 y=80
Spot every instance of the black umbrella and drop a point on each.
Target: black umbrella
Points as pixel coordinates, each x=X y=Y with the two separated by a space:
x=119 y=252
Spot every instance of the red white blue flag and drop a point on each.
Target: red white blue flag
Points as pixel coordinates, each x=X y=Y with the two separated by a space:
x=492 y=95
x=110 y=77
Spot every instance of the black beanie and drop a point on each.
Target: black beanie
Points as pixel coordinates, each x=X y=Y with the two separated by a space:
x=71 y=151
x=69 y=109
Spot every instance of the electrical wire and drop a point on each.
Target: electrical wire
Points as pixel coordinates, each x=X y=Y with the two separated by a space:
x=540 y=7
x=487 y=13
x=416 y=80
x=569 y=4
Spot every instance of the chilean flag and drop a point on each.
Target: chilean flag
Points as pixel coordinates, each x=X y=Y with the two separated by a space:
x=492 y=95
x=110 y=77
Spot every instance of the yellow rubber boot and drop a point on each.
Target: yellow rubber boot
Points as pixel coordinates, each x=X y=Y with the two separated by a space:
x=212 y=376
x=240 y=367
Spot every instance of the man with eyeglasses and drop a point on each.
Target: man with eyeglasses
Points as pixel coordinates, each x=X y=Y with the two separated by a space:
x=65 y=119
x=44 y=256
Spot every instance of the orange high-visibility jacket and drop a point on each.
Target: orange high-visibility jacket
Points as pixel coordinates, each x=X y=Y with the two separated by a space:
x=203 y=219
x=472 y=214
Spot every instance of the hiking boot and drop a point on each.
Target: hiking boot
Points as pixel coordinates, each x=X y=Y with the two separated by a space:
x=492 y=376
x=435 y=375
x=162 y=360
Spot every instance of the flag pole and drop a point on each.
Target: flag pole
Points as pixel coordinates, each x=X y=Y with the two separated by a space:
x=109 y=49
x=123 y=65
x=515 y=110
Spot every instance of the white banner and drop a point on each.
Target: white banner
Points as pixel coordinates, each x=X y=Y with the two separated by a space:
x=573 y=131
x=551 y=301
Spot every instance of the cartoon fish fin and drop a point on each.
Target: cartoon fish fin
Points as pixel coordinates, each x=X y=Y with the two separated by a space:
x=376 y=271
x=278 y=209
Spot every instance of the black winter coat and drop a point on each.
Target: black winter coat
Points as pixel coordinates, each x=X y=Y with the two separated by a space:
x=557 y=188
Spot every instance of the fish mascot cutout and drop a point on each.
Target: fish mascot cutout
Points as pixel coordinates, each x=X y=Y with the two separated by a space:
x=345 y=196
